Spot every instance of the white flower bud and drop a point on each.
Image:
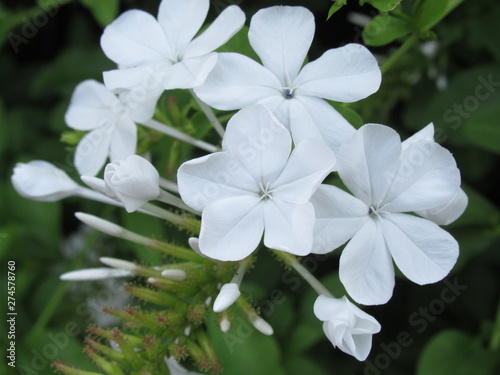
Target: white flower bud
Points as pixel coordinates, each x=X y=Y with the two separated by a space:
x=94 y=274
x=118 y=263
x=42 y=181
x=346 y=326
x=174 y=274
x=225 y=324
x=262 y=326
x=228 y=294
x=134 y=181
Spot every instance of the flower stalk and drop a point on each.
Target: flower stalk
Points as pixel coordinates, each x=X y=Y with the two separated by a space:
x=293 y=262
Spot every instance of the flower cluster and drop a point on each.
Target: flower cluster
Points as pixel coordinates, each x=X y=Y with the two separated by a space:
x=266 y=181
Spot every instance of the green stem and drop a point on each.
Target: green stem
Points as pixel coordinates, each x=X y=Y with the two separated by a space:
x=408 y=43
x=209 y=113
x=292 y=261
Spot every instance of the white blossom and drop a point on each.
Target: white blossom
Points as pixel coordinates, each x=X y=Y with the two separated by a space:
x=110 y=122
x=387 y=179
x=165 y=51
x=133 y=181
x=347 y=327
x=255 y=186
x=281 y=37
x=89 y=274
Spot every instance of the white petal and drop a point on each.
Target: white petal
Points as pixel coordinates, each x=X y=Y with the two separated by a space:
x=218 y=33
x=92 y=151
x=427 y=177
x=141 y=100
x=449 y=212
x=366 y=268
x=289 y=227
x=237 y=81
x=344 y=74
x=188 y=73
x=310 y=162
x=339 y=216
x=214 y=177
x=92 y=105
x=42 y=181
x=367 y=161
x=259 y=142
x=124 y=139
x=423 y=251
x=181 y=20
x=426 y=134
x=313 y=117
x=231 y=228
x=94 y=274
x=135 y=38
x=281 y=36
x=136 y=78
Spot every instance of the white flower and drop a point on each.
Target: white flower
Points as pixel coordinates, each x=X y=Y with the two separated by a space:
x=387 y=179
x=281 y=36
x=163 y=50
x=42 y=181
x=228 y=294
x=346 y=326
x=110 y=122
x=133 y=181
x=255 y=184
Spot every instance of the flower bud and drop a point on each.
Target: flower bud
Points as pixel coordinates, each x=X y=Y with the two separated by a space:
x=94 y=274
x=42 y=181
x=228 y=294
x=134 y=181
x=346 y=326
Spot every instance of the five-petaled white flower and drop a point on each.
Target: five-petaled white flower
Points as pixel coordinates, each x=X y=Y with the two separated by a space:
x=346 y=326
x=162 y=51
x=255 y=185
x=110 y=120
x=387 y=179
x=281 y=36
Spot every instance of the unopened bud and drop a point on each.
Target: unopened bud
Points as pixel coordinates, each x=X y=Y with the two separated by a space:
x=228 y=294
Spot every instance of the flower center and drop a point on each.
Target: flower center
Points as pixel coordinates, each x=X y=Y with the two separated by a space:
x=376 y=211
x=288 y=93
x=265 y=191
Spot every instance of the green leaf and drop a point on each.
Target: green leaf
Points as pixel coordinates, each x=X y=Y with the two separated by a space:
x=384 y=5
x=429 y=12
x=239 y=43
x=296 y=365
x=349 y=114
x=384 y=29
x=243 y=350
x=333 y=9
x=453 y=352
x=483 y=128
x=104 y=11
x=304 y=337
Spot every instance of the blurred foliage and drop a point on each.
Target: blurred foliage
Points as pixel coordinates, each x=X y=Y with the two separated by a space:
x=442 y=64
